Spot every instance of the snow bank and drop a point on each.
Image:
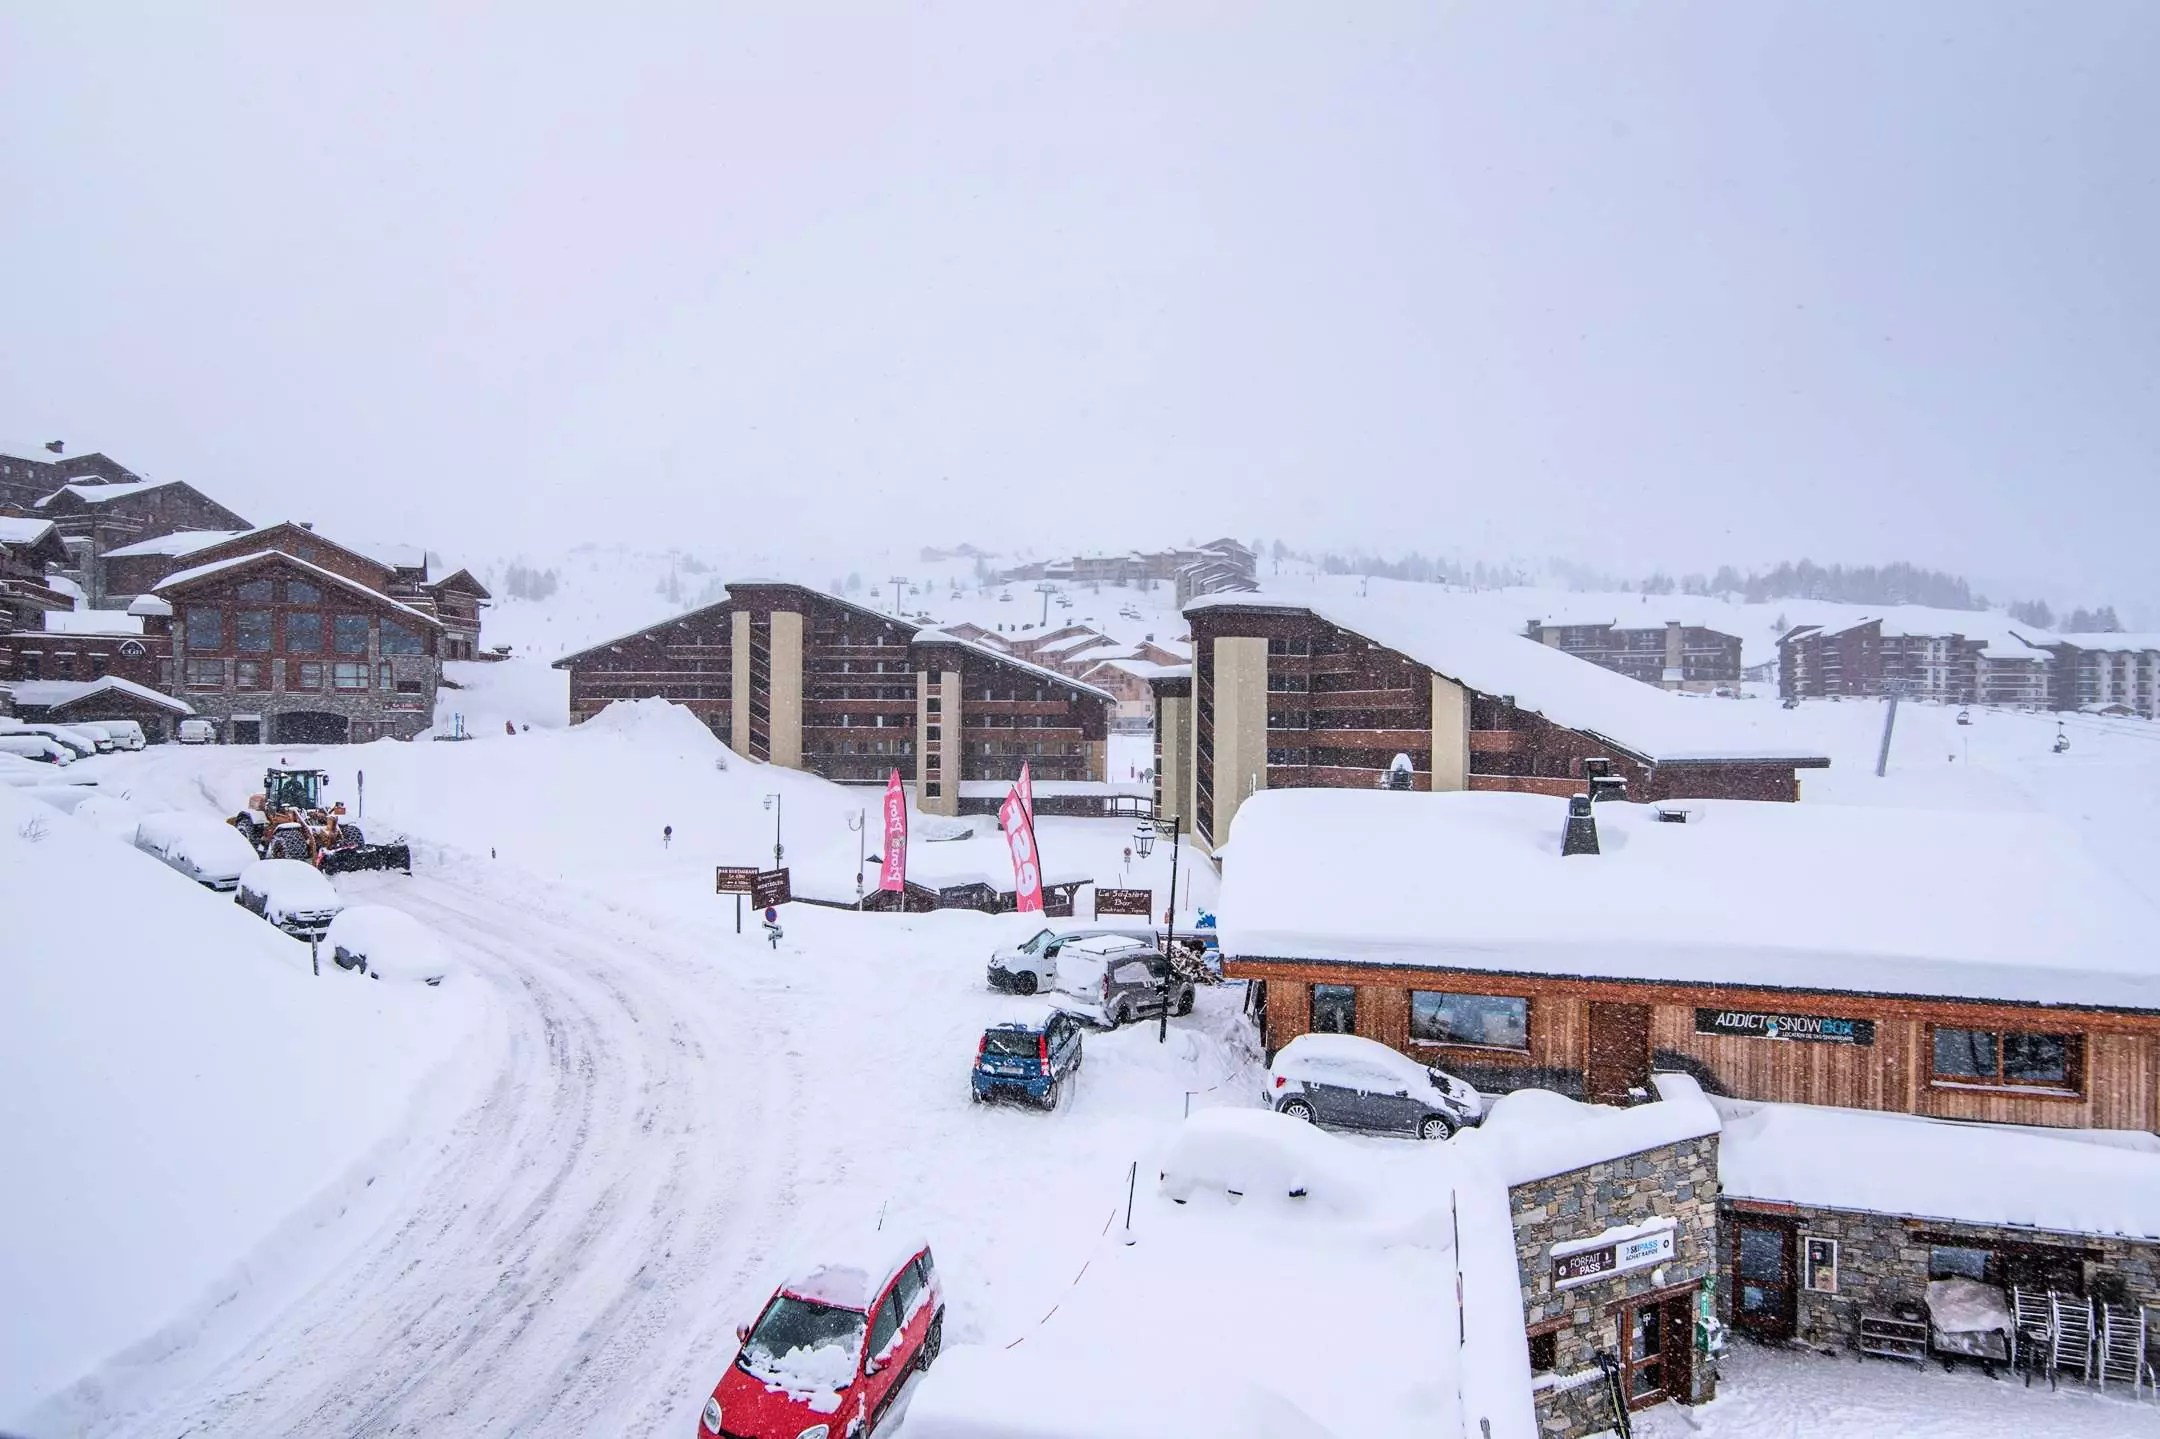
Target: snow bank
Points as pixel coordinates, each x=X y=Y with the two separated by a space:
x=1258 y=1154
x=393 y=943
x=1533 y=1134
x=1934 y=1169
x=173 y=1084
x=1476 y=881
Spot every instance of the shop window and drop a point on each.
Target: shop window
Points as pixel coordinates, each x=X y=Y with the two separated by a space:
x=251 y=631
x=1334 y=1009
x=2009 y=1058
x=1491 y=1021
x=254 y=592
x=205 y=627
x=350 y=632
x=1949 y=1261
x=303 y=632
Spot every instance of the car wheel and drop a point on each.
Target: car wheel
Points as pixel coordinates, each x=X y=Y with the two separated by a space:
x=1117 y=1015
x=932 y=1342
x=1024 y=983
x=288 y=844
x=1185 y=1003
x=1298 y=1109
x=1435 y=1126
x=1054 y=1094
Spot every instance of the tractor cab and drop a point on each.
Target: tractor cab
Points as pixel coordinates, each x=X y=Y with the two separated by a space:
x=292 y=790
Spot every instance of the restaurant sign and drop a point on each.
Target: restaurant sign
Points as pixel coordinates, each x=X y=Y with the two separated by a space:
x=1584 y=1260
x=1821 y=1028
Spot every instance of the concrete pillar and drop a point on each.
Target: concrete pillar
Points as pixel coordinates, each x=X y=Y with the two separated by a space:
x=955 y=747
x=944 y=687
x=1098 y=758
x=739 y=682
x=1674 y=661
x=1240 y=726
x=787 y=688
x=1176 y=760
x=1450 y=735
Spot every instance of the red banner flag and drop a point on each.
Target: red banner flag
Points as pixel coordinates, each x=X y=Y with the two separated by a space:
x=1027 y=868
x=893 y=874
x=1026 y=790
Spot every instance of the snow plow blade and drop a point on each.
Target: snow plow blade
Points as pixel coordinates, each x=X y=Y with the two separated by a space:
x=367 y=856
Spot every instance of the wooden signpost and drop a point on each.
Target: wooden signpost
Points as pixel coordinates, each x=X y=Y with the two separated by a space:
x=738 y=880
x=1124 y=901
x=770 y=888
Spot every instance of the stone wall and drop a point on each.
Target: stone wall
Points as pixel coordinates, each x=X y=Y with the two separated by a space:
x=1883 y=1259
x=1675 y=1181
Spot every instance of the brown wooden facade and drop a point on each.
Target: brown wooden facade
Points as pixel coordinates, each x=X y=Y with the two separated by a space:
x=789 y=675
x=92 y=522
x=1600 y=1038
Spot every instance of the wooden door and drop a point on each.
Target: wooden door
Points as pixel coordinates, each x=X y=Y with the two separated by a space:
x=1766 y=1277
x=1619 y=1052
x=1657 y=1337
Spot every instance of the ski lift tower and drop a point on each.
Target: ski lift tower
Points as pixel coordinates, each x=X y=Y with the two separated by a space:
x=1893 y=691
x=1046 y=589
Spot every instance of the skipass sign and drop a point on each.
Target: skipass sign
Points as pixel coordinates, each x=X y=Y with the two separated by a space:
x=892 y=874
x=1017 y=817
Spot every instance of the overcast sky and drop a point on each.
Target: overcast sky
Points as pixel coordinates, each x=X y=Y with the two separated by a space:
x=1666 y=285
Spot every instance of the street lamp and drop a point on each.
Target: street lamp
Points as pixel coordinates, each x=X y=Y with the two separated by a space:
x=860 y=823
x=772 y=802
x=1144 y=841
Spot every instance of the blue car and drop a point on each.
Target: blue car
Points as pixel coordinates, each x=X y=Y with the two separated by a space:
x=1031 y=1057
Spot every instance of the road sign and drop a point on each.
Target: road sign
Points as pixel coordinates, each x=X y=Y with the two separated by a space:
x=735 y=879
x=770 y=888
x=772 y=916
x=1124 y=901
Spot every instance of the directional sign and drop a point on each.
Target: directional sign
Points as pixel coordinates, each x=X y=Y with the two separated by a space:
x=734 y=879
x=770 y=888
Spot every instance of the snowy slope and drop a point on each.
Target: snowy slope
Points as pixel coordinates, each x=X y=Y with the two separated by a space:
x=174 y=1083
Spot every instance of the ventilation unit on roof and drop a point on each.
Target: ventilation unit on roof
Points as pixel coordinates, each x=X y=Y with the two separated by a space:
x=1674 y=816
x=1580 y=836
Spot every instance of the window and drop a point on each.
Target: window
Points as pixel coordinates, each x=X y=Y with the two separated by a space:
x=251 y=631
x=909 y=1288
x=350 y=632
x=349 y=675
x=1493 y=1020
x=205 y=627
x=32 y=665
x=930 y=705
x=247 y=674
x=303 y=632
x=398 y=640
x=300 y=592
x=310 y=675
x=1951 y=1261
x=932 y=789
x=206 y=674
x=254 y=592
x=1544 y=1352
x=885 y=1326
x=1334 y=1009
x=99 y=665
x=2006 y=1057
x=933 y=733
x=382 y=677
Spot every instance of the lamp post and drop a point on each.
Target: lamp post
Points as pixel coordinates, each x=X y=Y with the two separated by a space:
x=860 y=823
x=1144 y=841
x=772 y=802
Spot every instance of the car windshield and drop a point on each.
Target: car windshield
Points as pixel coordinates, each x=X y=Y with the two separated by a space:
x=1035 y=945
x=791 y=1330
x=1012 y=1043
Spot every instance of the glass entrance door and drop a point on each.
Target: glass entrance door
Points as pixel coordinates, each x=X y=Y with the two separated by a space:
x=1766 y=1288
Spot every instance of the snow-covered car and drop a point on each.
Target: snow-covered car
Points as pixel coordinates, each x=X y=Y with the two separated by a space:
x=82 y=742
x=291 y=894
x=205 y=849
x=1240 y=1152
x=195 y=731
x=26 y=745
x=1026 y=968
x=110 y=815
x=125 y=733
x=386 y=943
x=831 y=1349
x=1122 y=978
x=1345 y=1081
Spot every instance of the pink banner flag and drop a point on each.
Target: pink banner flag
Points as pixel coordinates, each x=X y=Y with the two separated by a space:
x=893 y=874
x=1027 y=869
x=1026 y=790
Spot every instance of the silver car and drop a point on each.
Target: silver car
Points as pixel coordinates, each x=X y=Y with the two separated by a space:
x=1027 y=968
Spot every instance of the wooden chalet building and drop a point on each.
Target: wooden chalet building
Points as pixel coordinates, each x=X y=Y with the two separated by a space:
x=1329 y=690
x=795 y=677
x=28 y=473
x=1762 y=949
x=1671 y=656
x=278 y=649
x=97 y=517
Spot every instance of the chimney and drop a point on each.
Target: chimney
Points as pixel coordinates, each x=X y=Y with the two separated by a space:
x=1674 y=668
x=1580 y=836
x=56 y=446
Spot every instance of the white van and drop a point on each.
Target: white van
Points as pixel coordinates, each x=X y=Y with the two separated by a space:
x=196 y=730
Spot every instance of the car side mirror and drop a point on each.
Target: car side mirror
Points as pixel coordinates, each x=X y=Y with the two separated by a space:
x=742 y=1333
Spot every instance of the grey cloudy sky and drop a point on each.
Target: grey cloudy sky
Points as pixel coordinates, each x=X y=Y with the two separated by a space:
x=1644 y=285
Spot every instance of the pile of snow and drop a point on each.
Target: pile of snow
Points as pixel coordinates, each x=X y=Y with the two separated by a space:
x=1533 y=1134
x=1259 y=1154
x=176 y=1085
x=1907 y=1164
x=387 y=943
x=1476 y=880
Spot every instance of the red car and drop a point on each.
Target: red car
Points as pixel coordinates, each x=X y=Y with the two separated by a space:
x=832 y=1347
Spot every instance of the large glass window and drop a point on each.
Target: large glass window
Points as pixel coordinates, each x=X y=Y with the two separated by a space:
x=1492 y=1020
x=205 y=627
x=2006 y=1057
x=254 y=592
x=300 y=592
x=1334 y=1009
x=247 y=674
x=1949 y=1261
x=308 y=675
x=350 y=632
x=205 y=674
x=251 y=631
x=398 y=640
x=303 y=632
x=349 y=675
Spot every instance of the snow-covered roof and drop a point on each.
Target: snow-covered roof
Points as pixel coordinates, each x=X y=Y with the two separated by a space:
x=947 y=637
x=849 y=1268
x=16 y=450
x=1421 y=622
x=188 y=577
x=1533 y=1134
x=1476 y=881
x=180 y=542
x=50 y=694
x=92 y=622
x=98 y=492
x=1911 y=1165
x=1148 y=669
x=395 y=556
x=21 y=530
x=2130 y=643
x=149 y=605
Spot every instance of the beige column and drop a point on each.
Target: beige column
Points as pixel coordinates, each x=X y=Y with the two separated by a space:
x=739 y=682
x=923 y=720
x=953 y=749
x=1240 y=726
x=787 y=688
x=1098 y=758
x=1450 y=735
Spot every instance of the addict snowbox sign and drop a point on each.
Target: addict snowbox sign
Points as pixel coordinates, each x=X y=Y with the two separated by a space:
x=1818 y=1028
